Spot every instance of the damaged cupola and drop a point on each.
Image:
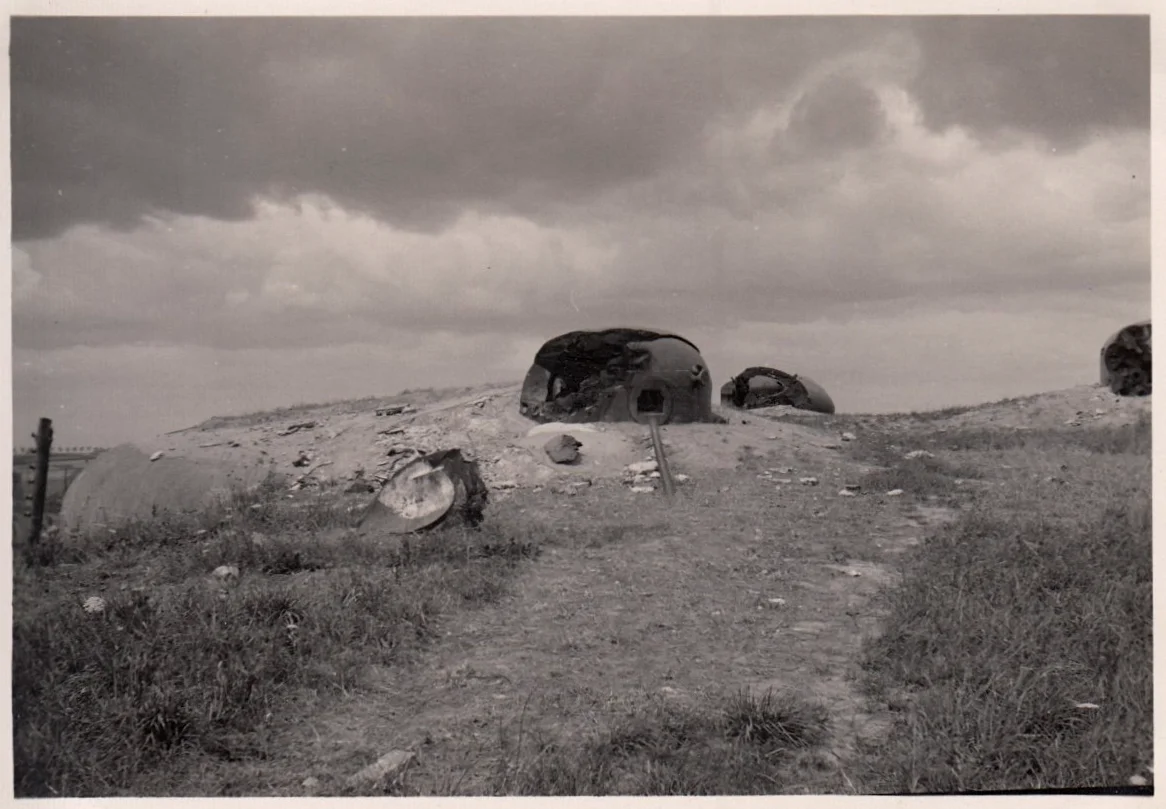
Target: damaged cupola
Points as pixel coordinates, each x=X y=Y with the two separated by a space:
x=1125 y=361
x=768 y=387
x=618 y=375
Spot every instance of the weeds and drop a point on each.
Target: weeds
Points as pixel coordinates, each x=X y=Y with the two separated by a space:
x=1133 y=438
x=176 y=664
x=1004 y=632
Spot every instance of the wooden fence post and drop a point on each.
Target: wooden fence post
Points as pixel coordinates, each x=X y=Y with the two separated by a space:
x=44 y=443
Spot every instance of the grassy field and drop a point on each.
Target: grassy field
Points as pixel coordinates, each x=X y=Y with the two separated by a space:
x=745 y=639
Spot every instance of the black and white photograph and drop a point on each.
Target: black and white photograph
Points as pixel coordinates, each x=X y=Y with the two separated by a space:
x=709 y=402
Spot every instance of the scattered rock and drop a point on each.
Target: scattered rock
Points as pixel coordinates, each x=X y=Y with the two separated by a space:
x=303 y=460
x=383 y=769
x=643 y=489
x=681 y=478
x=396 y=410
x=849 y=437
x=563 y=449
x=853 y=487
x=642 y=467
x=847 y=493
x=1138 y=781
x=771 y=437
x=777 y=602
x=783 y=470
x=226 y=572
x=360 y=486
x=311 y=782
x=558 y=427
x=808 y=481
x=918 y=453
x=157 y=455
x=895 y=493
x=853 y=573
x=295 y=428
x=570 y=488
x=783 y=480
x=1087 y=706
x=506 y=484
x=93 y=604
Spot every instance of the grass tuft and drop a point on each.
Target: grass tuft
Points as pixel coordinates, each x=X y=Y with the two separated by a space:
x=739 y=745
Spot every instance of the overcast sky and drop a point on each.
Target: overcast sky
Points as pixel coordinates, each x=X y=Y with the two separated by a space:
x=218 y=216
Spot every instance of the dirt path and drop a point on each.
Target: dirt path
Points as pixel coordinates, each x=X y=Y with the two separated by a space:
x=737 y=586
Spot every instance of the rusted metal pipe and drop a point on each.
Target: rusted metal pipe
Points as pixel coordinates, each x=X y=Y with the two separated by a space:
x=661 y=461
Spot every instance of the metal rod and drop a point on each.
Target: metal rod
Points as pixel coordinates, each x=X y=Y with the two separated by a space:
x=661 y=461
x=44 y=444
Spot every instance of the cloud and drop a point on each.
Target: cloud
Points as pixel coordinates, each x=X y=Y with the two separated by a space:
x=415 y=120
x=913 y=216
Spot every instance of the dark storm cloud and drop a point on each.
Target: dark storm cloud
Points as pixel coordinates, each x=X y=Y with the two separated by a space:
x=1064 y=77
x=413 y=119
x=410 y=119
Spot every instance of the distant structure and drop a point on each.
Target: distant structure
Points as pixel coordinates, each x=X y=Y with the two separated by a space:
x=619 y=374
x=1125 y=361
x=761 y=386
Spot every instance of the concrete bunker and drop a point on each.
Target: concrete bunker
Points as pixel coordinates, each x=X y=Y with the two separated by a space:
x=1125 y=361
x=618 y=374
x=760 y=386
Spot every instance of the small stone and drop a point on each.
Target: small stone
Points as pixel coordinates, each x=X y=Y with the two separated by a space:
x=157 y=455
x=387 y=766
x=777 y=602
x=783 y=470
x=847 y=493
x=849 y=437
x=93 y=604
x=681 y=478
x=854 y=487
x=643 y=489
x=311 y=782
x=771 y=437
x=224 y=572
x=895 y=493
x=1138 y=781
x=918 y=453
x=506 y=484
x=808 y=481
x=1087 y=706
x=783 y=480
x=563 y=449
